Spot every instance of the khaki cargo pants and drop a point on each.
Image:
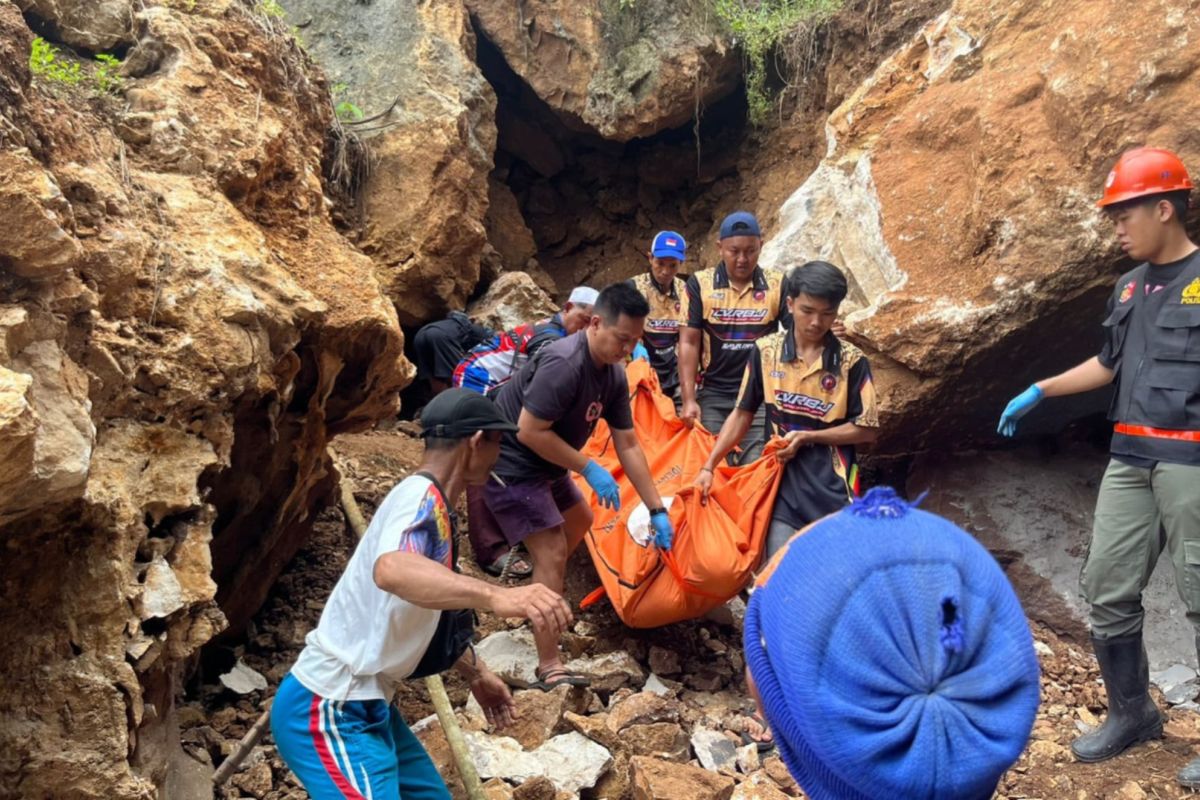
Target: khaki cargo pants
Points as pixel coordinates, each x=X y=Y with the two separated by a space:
x=1139 y=513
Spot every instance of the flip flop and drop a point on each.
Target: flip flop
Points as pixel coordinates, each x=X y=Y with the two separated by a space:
x=764 y=746
x=558 y=676
x=519 y=568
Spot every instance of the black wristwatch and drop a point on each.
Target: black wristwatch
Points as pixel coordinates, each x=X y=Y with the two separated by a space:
x=659 y=510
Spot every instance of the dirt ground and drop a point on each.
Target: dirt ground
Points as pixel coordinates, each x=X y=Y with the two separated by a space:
x=213 y=719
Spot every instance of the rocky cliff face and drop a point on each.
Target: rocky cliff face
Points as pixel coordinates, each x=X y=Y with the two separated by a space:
x=959 y=188
x=182 y=330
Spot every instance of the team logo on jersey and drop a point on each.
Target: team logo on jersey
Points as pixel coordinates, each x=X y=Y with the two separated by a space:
x=797 y=403
x=594 y=411
x=740 y=316
x=1127 y=292
x=717 y=296
x=776 y=373
x=677 y=306
x=662 y=325
x=829 y=382
x=1191 y=294
x=759 y=295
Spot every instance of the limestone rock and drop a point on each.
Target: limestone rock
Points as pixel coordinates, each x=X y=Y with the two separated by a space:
x=540 y=714
x=183 y=330
x=714 y=749
x=538 y=788
x=513 y=299
x=95 y=25
x=758 y=787
x=255 y=781
x=609 y=671
x=431 y=152
x=571 y=761
x=510 y=654
x=655 y=685
x=38 y=220
x=642 y=708
x=665 y=740
x=243 y=680
x=497 y=789
x=506 y=228
x=622 y=72
x=654 y=779
x=1007 y=252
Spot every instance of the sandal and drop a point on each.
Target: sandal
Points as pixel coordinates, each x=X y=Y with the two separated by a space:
x=763 y=745
x=517 y=566
x=558 y=676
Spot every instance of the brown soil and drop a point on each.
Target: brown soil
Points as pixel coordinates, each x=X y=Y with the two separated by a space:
x=213 y=719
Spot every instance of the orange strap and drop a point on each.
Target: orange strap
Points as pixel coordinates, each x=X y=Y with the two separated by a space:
x=1157 y=433
x=593 y=597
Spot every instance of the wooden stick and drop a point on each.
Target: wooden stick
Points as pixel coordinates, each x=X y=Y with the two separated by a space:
x=252 y=737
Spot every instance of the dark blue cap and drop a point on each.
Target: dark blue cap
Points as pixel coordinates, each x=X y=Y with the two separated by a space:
x=740 y=223
x=668 y=244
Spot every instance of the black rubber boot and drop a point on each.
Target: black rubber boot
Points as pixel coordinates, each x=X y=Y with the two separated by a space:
x=1132 y=715
x=1189 y=776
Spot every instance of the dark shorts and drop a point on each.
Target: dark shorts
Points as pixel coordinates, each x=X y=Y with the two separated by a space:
x=524 y=508
x=437 y=353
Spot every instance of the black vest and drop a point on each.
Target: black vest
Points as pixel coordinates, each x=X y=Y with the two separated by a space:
x=1166 y=388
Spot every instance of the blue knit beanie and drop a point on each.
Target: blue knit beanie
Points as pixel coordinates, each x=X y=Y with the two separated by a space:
x=892 y=657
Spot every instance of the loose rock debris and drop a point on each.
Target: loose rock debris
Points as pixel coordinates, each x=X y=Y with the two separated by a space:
x=663 y=716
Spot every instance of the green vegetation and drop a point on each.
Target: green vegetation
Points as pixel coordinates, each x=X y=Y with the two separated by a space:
x=765 y=27
x=46 y=62
x=345 y=110
x=271 y=8
x=108 y=77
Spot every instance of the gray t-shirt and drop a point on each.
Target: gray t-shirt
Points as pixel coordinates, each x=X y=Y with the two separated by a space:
x=563 y=384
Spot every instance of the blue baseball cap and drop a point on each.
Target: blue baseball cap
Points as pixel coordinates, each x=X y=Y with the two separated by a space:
x=668 y=244
x=740 y=223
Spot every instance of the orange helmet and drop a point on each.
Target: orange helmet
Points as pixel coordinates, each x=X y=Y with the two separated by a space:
x=1143 y=171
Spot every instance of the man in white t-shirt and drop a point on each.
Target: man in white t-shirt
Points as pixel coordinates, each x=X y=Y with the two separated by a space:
x=401 y=610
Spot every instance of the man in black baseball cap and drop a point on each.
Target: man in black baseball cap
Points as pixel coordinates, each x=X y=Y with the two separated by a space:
x=401 y=610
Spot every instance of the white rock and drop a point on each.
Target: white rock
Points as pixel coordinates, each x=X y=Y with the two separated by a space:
x=1181 y=693
x=713 y=749
x=1172 y=676
x=1042 y=649
x=510 y=654
x=161 y=593
x=243 y=680
x=748 y=759
x=610 y=671
x=731 y=613
x=654 y=685
x=571 y=761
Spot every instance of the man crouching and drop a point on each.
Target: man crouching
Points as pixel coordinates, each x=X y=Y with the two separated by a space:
x=401 y=610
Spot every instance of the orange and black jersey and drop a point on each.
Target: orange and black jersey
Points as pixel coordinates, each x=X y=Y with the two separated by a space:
x=731 y=321
x=821 y=478
x=667 y=313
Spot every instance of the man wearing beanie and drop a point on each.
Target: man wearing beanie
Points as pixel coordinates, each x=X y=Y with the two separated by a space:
x=666 y=295
x=1148 y=501
x=910 y=674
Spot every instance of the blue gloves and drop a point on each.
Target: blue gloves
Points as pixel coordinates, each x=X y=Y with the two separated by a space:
x=1018 y=407
x=660 y=523
x=603 y=485
x=639 y=353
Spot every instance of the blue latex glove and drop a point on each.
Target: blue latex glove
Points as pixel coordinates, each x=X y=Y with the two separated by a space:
x=639 y=353
x=660 y=523
x=1018 y=407
x=603 y=485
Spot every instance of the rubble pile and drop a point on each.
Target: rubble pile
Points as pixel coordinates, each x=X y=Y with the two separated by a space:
x=664 y=715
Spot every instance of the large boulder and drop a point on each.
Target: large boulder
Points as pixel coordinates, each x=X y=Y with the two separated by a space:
x=959 y=188
x=431 y=149
x=622 y=70
x=95 y=25
x=182 y=333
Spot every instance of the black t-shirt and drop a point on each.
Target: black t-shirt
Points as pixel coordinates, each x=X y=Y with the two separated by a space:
x=563 y=384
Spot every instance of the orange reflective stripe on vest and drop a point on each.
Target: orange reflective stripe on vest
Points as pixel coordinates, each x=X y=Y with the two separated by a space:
x=1157 y=433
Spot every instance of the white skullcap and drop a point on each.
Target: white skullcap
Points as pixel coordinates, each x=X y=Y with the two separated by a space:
x=583 y=296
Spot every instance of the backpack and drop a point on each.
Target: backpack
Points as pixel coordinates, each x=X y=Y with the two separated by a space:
x=489 y=364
